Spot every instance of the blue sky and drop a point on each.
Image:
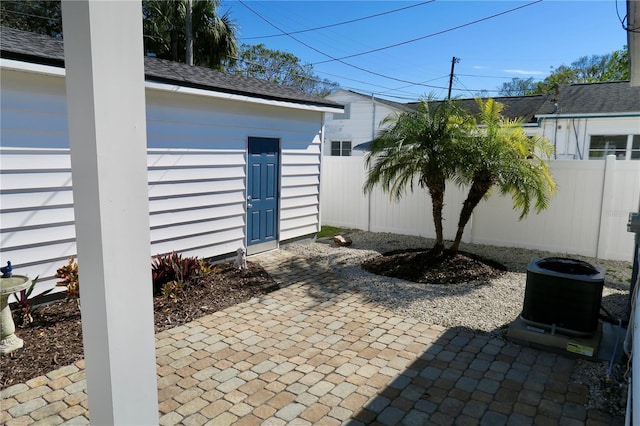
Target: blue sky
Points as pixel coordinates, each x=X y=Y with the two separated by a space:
x=523 y=43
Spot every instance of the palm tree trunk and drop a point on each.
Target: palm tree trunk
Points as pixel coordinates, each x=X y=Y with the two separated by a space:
x=174 y=33
x=188 y=33
x=436 y=190
x=482 y=183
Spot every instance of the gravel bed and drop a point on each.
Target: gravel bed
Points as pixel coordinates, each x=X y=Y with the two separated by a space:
x=487 y=307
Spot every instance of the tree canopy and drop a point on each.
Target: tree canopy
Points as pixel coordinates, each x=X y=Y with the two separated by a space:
x=499 y=154
x=41 y=17
x=164 y=27
x=418 y=146
x=280 y=67
x=586 y=69
x=166 y=36
x=439 y=142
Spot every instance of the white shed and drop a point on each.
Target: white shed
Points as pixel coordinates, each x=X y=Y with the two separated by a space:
x=232 y=161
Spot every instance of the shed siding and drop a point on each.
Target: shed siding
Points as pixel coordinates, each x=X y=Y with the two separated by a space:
x=196 y=168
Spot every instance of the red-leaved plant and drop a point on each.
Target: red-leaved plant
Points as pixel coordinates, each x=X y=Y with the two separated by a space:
x=26 y=304
x=172 y=267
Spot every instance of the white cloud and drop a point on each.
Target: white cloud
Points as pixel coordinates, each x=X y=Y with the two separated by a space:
x=524 y=72
x=480 y=67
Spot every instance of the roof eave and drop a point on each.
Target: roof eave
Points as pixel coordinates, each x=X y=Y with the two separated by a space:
x=53 y=66
x=589 y=115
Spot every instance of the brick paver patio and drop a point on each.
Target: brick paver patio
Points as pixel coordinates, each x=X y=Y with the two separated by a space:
x=316 y=352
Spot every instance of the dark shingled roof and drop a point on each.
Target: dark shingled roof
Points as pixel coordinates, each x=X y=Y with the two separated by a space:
x=525 y=107
x=580 y=98
x=597 y=98
x=36 y=48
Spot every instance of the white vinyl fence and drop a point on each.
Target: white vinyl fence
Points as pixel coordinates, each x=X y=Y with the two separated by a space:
x=587 y=216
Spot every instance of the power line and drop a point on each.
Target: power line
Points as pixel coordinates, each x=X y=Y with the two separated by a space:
x=422 y=82
x=358 y=81
x=625 y=21
x=319 y=80
x=429 y=35
x=340 y=23
x=388 y=89
x=465 y=87
x=15 y=12
x=336 y=59
x=496 y=76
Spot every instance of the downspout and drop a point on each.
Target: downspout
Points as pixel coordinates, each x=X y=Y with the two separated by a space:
x=575 y=132
x=555 y=137
x=584 y=139
x=320 y=177
x=373 y=117
x=373 y=136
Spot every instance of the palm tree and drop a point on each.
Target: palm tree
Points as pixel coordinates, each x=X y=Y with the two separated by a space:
x=500 y=154
x=214 y=41
x=417 y=146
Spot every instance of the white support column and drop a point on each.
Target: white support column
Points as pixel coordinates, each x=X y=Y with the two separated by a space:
x=107 y=132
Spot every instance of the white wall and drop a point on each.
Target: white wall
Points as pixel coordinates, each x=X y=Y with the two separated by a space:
x=362 y=125
x=571 y=136
x=587 y=216
x=197 y=172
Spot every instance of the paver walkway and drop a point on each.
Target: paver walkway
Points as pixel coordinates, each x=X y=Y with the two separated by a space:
x=315 y=353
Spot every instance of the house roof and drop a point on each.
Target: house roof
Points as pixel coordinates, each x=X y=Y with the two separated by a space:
x=615 y=97
x=579 y=98
x=596 y=98
x=41 y=49
x=525 y=107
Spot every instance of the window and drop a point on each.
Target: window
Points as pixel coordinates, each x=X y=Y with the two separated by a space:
x=624 y=147
x=340 y=148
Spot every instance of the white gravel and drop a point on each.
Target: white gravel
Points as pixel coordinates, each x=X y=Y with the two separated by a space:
x=486 y=306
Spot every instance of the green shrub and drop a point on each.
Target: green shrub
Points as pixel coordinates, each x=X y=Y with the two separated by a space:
x=172 y=289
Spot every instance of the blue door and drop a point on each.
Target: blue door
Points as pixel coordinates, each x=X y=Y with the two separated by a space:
x=262 y=194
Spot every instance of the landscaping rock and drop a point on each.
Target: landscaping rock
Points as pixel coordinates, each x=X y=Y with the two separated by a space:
x=342 y=241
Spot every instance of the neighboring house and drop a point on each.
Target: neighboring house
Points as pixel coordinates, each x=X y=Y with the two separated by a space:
x=591 y=121
x=582 y=121
x=232 y=161
x=359 y=123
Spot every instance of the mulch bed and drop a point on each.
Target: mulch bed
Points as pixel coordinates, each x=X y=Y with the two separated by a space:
x=425 y=266
x=54 y=339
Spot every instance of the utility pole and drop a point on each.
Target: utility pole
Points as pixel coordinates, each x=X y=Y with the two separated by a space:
x=189 y=33
x=454 y=61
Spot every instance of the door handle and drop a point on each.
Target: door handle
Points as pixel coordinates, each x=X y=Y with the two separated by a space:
x=249 y=205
